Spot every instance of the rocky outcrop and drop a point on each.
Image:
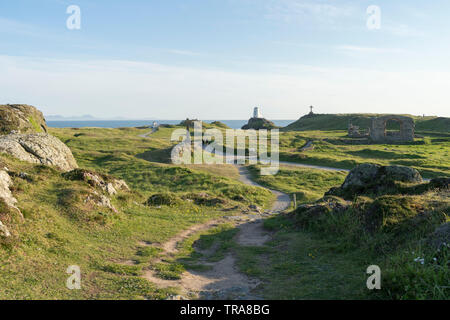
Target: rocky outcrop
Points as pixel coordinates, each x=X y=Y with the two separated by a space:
x=100 y=200
x=368 y=173
x=372 y=178
x=4 y=232
x=259 y=123
x=7 y=201
x=18 y=118
x=106 y=183
x=5 y=193
x=40 y=148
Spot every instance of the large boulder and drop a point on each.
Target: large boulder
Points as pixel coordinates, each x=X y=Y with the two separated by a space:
x=399 y=173
x=375 y=179
x=361 y=175
x=18 y=118
x=39 y=148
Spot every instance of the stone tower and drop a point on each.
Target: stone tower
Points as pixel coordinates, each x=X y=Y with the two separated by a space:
x=256 y=113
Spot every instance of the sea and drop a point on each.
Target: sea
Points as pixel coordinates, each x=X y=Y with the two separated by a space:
x=234 y=124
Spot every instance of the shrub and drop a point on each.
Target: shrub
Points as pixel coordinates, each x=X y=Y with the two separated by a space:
x=163 y=199
x=204 y=199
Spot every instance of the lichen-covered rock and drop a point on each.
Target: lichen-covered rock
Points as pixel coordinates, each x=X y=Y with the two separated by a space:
x=21 y=119
x=120 y=185
x=369 y=173
x=399 y=173
x=39 y=148
x=4 y=232
x=107 y=183
x=100 y=200
x=5 y=193
x=361 y=175
x=375 y=179
x=110 y=189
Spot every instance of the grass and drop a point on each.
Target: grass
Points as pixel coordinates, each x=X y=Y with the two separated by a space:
x=207 y=246
x=118 y=152
x=429 y=155
x=325 y=122
x=297 y=265
x=60 y=229
x=326 y=259
x=307 y=184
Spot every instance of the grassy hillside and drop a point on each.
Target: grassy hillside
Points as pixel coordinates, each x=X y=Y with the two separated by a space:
x=61 y=228
x=302 y=260
x=328 y=122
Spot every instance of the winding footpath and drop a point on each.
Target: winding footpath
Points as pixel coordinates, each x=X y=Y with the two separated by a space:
x=146 y=135
x=222 y=280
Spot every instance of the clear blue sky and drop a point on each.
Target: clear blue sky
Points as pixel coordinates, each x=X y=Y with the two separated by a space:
x=217 y=59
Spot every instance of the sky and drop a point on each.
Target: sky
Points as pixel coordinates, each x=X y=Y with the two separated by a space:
x=218 y=59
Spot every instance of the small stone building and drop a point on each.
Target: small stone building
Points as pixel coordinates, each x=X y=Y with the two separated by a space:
x=356 y=132
x=379 y=133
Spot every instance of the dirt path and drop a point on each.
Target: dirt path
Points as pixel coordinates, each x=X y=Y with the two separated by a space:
x=145 y=135
x=283 y=201
x=222 y=280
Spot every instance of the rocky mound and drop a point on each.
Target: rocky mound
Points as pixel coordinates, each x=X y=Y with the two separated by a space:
x=107 y=183
x=18 y=118
x=40 y=148
x=389 y=200
x=259 y=123
x=374 y=179
x=98 y=194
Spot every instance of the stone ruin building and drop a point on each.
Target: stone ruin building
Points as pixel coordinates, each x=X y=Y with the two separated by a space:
x=378 y=130
x=379 y=133
x=356 y=132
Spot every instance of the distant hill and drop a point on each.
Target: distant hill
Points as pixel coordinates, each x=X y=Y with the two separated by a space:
x=341 y=121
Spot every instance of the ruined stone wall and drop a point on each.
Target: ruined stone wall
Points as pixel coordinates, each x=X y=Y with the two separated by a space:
x=378 y=129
